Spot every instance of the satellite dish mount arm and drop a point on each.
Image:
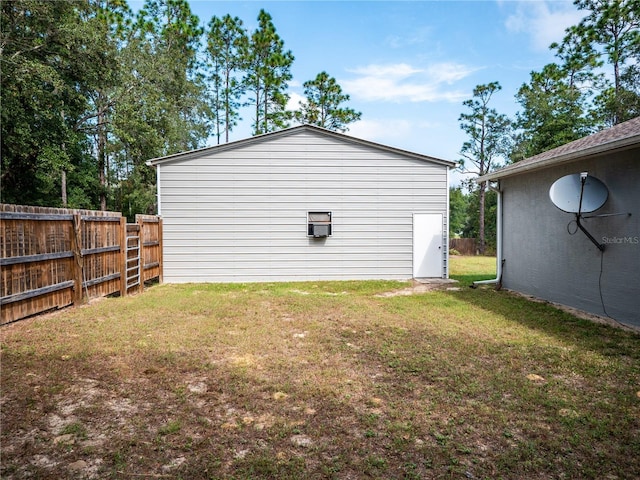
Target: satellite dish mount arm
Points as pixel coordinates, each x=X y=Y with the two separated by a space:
x=583 y=179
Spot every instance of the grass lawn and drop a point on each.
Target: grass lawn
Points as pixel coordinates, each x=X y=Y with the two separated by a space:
x=319 y=380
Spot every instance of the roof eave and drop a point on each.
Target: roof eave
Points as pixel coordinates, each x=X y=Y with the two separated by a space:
x=225 y=146
x=618 y=145
x=220 y=147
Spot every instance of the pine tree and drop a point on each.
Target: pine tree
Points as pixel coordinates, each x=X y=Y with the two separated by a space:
x=268 y=71
x=489 y=141
x=322 y=105
x=553 y=112
x=226 y=47
x=611 y=32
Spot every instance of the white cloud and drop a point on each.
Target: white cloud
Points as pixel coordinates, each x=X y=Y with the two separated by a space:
x=382 y=131
x=411 y=38
x=403 y=82
x=544 y=21
x=448 y=72
x=294 y=101
x=392 y=70
x=415 y=136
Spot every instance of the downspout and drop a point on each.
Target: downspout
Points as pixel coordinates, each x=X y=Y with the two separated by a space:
x=499 y=260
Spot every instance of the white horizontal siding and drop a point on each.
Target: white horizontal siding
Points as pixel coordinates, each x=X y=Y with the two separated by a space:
x=241 y=214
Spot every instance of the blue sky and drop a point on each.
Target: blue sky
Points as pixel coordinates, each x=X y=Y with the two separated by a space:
x=409 y=65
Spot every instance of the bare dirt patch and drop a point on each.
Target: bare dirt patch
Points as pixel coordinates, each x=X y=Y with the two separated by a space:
x=422 y=286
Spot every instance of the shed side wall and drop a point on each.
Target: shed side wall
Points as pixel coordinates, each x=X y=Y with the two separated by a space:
x=543 y=259
x=241 y=214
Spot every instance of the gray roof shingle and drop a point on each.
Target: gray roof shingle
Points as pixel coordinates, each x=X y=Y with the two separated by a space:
x=622 y=136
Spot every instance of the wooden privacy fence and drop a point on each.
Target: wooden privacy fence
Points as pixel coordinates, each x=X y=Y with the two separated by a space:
x=465 y=246
x=54 y=257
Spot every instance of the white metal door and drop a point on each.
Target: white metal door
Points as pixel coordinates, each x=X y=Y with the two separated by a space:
x=427 y=245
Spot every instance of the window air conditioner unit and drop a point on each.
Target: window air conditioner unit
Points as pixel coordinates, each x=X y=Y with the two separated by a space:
x=320 y=230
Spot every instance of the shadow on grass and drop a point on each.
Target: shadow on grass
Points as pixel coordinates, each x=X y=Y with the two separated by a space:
x=467 y=280
x=548 y=319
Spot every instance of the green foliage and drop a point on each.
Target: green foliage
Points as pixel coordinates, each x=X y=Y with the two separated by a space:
x=268 y=71
x=625 y=101
x=554 y=112
x=137 y=193
x=91 y=91
x=171 y=77
x=322 y=106
x=88 y=95
x=593 y=85
x=227 y=48
x=490 y=135
x=41 y=66
x=488 y=132
x=612 y=30
x=471 y=228
x=464 y=214
x=458 y=211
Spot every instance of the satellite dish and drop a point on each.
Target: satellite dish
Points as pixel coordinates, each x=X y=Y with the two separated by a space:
x=578 y=193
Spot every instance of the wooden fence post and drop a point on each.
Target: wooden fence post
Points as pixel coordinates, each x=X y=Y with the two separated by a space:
x=78 y=261
x=141 y=239
x=123 y=256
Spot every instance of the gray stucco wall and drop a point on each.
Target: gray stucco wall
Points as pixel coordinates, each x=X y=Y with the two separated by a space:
x=544 y=260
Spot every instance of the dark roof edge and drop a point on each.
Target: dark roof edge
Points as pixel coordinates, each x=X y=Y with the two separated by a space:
x=517 y=168
x=238 y=143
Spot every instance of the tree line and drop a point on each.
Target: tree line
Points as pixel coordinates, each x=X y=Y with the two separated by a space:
x=594 y=84
x=91 y=90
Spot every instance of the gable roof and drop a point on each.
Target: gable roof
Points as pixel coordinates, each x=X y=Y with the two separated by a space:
x=620 y=137
x=291 y=131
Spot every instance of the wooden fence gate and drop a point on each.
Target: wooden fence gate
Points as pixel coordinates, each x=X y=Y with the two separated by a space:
x=52 y=257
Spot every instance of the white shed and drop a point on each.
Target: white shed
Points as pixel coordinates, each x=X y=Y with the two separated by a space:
x=302 y=203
